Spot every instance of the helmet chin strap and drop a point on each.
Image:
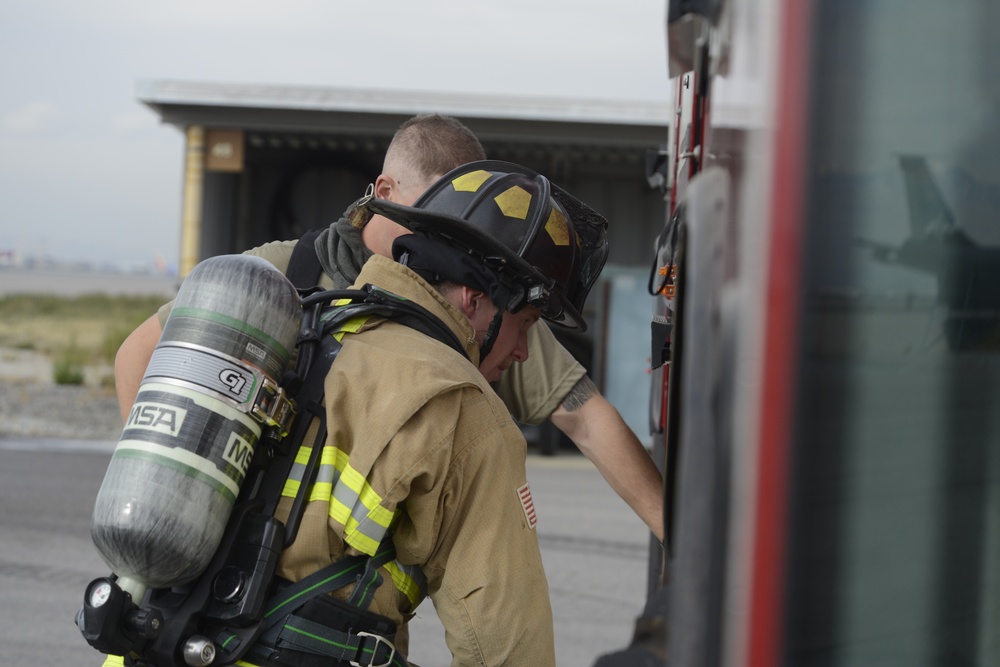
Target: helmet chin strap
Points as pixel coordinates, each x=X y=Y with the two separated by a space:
x=491 y=335
x=502 y=296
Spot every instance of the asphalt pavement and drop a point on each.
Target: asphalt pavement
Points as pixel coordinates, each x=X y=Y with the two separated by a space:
x=593 y=547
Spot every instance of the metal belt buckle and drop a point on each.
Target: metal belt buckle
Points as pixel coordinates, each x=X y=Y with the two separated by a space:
x=272 y=406
x=379 y=639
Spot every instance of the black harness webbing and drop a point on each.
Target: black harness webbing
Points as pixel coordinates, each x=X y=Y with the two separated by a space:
x=287 y=631
x=326 y=580
x=304 y=269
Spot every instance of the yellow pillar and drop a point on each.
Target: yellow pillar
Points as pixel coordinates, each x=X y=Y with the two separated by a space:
x=194 y=181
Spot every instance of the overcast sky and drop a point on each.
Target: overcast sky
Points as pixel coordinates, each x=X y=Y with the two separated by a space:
x=88 y=173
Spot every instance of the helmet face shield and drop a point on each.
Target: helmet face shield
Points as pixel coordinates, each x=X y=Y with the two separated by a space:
x=592 y=235
x=512 y=220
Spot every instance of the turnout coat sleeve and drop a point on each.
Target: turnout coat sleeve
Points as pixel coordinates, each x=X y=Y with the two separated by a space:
x=484 y=571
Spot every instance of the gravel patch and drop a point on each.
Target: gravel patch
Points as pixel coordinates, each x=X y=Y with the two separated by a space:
x=32 y=405
x=37 y=409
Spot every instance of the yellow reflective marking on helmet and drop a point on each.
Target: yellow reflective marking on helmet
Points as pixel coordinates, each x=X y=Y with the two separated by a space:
x=557 y=228
x=514 y=203
x=471 y=182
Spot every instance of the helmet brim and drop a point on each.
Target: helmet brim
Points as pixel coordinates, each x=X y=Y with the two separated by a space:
x=458 y=232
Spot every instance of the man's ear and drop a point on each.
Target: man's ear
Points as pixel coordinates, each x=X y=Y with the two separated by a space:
x=384 y=185
x=467 y=301
x=471 y=301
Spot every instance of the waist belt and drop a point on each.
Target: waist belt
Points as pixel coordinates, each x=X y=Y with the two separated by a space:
x=305 y=627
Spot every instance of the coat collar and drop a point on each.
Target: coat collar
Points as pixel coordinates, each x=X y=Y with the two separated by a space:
x=393 y=277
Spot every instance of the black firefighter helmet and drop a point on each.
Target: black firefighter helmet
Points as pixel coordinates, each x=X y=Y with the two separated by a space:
x=547 y=246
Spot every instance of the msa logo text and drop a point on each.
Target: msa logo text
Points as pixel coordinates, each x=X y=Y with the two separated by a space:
x=256 y=351
x=238 y=453
x=157 y=417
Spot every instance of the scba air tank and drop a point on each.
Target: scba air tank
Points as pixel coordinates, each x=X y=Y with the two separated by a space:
x=208 y=390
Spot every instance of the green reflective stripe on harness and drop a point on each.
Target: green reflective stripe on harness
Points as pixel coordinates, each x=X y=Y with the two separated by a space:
x=301 y=634
x=326 y=580
x=363 y=649
x=322 y=581
x=367 y=584
x=284 y=630
x=281 y=606
x=228 y=642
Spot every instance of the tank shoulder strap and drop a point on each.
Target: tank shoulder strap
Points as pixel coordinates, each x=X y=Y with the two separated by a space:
x=304 y=269
x=372 y=301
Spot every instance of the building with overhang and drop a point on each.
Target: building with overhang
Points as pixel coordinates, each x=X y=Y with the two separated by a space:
x=270 y=162
x=267 y=162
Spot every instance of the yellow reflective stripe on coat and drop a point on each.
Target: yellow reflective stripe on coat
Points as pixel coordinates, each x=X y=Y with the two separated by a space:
x=354 y=504
x=409 y=580
x=357 y=507
x=114 y=661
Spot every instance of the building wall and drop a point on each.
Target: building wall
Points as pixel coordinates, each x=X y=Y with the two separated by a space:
x=284 y=191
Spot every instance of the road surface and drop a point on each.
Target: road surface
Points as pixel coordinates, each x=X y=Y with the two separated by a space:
x=593 y=547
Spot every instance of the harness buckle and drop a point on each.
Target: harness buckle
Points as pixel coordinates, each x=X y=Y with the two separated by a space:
x=379 y=639
x=272 y=406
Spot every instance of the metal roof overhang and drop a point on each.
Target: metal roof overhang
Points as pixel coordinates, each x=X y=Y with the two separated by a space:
x=290 y=116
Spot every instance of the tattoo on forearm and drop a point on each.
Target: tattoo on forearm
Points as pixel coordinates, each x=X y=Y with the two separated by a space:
x=579 y=394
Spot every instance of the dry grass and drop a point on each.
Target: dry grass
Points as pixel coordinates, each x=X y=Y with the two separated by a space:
x=73 y=332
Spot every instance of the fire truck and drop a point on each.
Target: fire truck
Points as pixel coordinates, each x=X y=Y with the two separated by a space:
x=826 y=337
